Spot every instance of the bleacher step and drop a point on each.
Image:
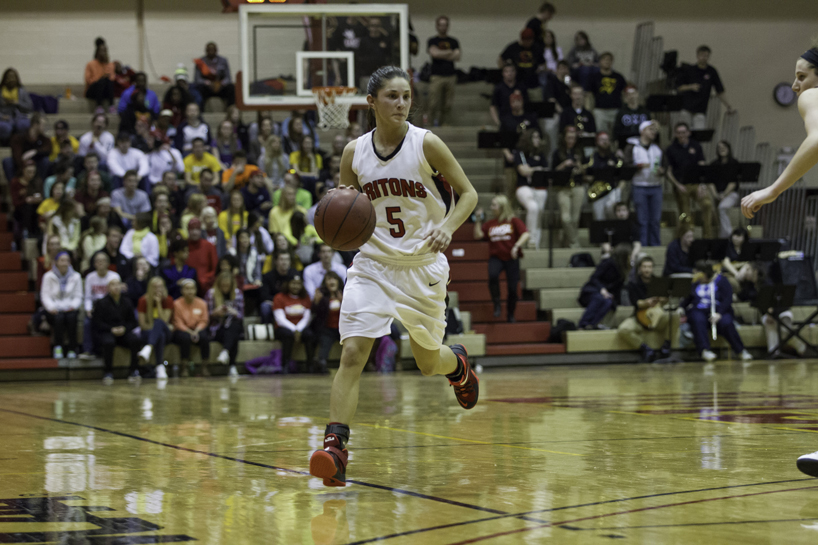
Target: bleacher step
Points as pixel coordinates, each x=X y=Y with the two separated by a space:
x=15 y=303
x=516 y=333
x=28 y=363
x=14 y=324
x=484 y=312
x=467 y=251
x=13 y=281
x=19 y=347
x=479 y=291
x=524 y=349
x=10 y=261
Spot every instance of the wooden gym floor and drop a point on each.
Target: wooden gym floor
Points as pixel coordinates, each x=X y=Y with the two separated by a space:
x=634 y=454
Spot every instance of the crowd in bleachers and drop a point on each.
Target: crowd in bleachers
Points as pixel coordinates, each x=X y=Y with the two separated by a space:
x=171 y=231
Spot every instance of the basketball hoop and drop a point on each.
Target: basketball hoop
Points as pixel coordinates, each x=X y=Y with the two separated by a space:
x=332 y=114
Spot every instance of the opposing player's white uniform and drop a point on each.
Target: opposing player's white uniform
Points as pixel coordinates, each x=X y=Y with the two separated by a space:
x=396 y=276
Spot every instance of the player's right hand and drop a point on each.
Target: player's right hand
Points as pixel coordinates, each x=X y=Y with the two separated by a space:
x=753 y=202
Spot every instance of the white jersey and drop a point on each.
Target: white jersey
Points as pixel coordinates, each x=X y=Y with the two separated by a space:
x=409 y=202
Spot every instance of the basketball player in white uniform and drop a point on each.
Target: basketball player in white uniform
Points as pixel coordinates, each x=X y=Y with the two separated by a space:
x=806 y=87
x=401 y=272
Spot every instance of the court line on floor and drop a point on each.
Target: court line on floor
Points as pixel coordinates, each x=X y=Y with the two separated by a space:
x=258 y=464
x=566 y=507
x=626 y=512
x=682 y=525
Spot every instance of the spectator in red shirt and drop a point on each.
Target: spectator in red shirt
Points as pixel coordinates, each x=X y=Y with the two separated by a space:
x=202 y=257
x=326 y=309
x=291 y=309
x=506 y=235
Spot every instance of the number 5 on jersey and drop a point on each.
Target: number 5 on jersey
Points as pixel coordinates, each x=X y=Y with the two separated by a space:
x=399 y=230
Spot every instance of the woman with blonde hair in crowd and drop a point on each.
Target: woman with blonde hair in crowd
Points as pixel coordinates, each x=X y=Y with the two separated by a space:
x=530 y=157
x=93 y=240
x=211 y=231
x=195 y=205
x=154 y=312
x=274 y=161
x=227 y=142
x=507 y=235
x=234 y=217
x=225 y=303
x=305 y=160
x=66 y=223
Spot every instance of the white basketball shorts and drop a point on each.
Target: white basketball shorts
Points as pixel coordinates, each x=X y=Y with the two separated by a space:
x=411 y=290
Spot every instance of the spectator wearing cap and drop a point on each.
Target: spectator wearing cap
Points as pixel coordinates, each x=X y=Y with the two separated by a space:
x=577 y=116
x=63 y=172
x=178 y=271
x=505 y=93
x=445 y=51
x=202 y=255
x=98 y=139
x=198 y=161
x=237 y=176
x=629 y=117
x=645 y=155
x=607 y=86
x=100 y=74
x=190 y=129
x=526 y=56
x=164 y=127
x=682 y=156
x=124 y=158
x=190 y=93
x=61 y=135
x=695 y=84
x=538 y=23
x=15 y=105
x=140 y=241
x=190 y=323
x=164 y=158
x=31 y=144
x=213 y=76
x=140 y=84
x=128 y=201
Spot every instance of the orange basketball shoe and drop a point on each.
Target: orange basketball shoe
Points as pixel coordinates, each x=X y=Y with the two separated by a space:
x=330 y=464
x=467 y=387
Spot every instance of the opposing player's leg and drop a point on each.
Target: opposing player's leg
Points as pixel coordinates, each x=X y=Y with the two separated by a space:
x=452 y=361
x=330 y=463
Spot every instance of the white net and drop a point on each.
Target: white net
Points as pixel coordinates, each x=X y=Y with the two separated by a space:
x=332 y=114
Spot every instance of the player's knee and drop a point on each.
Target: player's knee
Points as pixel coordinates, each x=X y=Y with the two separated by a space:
x=352 y=356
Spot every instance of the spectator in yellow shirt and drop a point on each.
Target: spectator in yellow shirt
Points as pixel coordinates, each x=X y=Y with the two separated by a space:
x=305 y=161
x=303 y=198
x=199 y=160
x=234 y=218
x=281 y=214
x=61 y=135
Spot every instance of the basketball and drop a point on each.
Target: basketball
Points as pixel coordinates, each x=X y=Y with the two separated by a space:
x=345 y=219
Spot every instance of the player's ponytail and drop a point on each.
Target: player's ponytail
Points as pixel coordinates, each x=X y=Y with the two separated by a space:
x=376 y=82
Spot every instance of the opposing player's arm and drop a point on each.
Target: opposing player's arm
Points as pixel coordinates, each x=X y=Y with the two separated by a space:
x=348 y=176
x=439 y=155
x=804 y=159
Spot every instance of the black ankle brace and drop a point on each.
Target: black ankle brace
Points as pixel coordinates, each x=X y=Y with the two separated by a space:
x=341 y=431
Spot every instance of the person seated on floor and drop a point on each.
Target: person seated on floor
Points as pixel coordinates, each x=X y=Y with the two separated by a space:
x=155 y=310
x=648 y=313
x=273 y=282
x=709 y=310
x=139 y=241
x=291 y=309
x=677 y=255
x=326 y=311
x=190 y=325
x=114 y=322
x=96 y=287
x=225 y=304
x=178 y=271
x=61 y=297
x=602 y=293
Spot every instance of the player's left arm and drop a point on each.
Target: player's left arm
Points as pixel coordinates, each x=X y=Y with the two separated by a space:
x=439 y=155
x=804 y=159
